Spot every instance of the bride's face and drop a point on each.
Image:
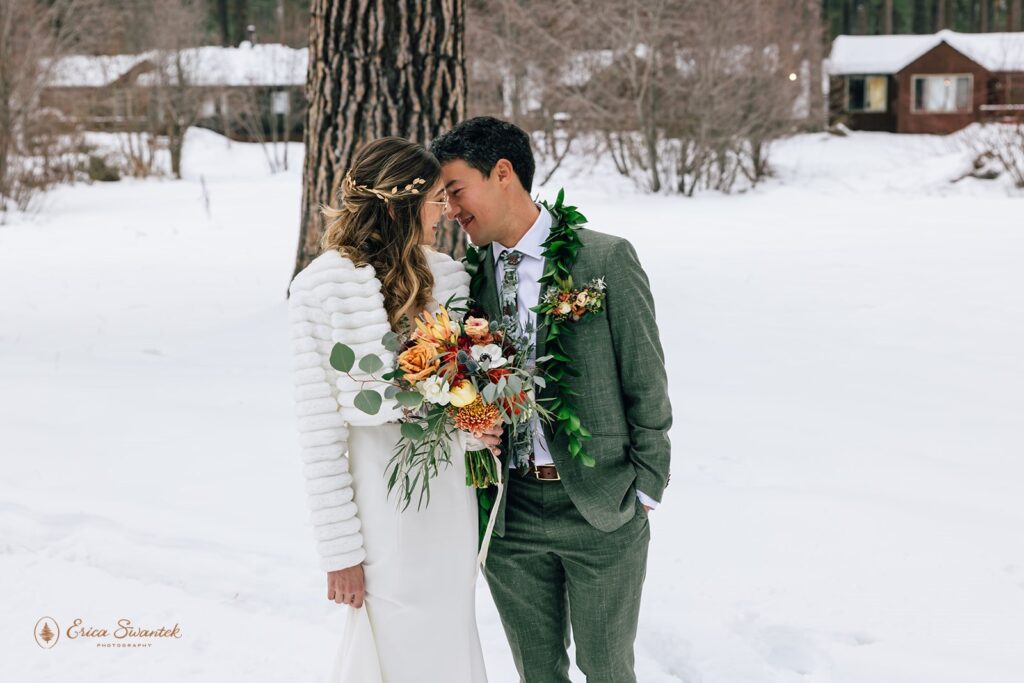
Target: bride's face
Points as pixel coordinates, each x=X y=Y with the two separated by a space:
x=433 y=208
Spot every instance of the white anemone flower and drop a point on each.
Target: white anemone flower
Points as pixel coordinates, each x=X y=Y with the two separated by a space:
x=435 y=390
x=488 y=356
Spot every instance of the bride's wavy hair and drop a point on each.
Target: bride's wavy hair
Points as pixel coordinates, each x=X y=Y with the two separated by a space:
x=377 y=221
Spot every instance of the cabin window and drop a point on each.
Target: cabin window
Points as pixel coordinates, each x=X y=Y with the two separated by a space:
x=868 y=93
x=279 y=103
x=943 y=93
x=208 y=109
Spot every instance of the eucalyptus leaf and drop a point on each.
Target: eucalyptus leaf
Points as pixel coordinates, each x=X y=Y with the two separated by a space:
x=391 y=342
x=391 y=391
x=489 y=392
x=368 y=401
x=342 y=357
x=411 y=430
x=409 y=399
x=370 y=364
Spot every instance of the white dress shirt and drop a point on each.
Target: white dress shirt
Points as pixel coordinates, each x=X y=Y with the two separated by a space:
x=531 y=269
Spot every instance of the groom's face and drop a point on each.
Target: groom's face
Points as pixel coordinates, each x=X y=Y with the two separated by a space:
x=474 y=201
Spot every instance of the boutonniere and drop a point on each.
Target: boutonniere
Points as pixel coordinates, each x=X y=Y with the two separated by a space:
x=562 y=302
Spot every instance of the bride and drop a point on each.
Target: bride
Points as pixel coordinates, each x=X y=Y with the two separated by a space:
x=409 y=576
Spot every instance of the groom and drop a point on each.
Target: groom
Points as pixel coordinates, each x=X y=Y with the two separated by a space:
x=570 y=542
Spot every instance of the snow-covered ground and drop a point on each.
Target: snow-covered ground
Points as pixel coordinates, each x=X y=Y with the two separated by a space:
x=846 y=355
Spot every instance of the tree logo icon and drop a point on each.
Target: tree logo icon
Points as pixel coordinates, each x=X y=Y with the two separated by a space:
x=47 y=633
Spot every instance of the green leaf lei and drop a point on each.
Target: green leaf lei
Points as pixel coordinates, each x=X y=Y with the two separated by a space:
x=561 y=250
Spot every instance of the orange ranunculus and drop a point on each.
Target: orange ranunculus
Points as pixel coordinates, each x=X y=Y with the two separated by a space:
x=479 y=330
x=418 y=362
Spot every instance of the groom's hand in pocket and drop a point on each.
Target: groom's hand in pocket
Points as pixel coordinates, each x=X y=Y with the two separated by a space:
x=347 y=586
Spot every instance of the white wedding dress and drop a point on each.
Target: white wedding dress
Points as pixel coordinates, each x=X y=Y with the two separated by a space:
x=418 y=622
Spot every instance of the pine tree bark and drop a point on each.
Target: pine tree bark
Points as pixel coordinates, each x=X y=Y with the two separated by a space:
x=1013 y=20
x=887 y=18
x=376 y=68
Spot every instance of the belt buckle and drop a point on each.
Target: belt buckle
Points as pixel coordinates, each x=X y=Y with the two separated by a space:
x=536 y=473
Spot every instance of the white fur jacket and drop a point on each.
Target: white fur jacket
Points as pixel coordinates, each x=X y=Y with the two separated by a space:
x=331 y=301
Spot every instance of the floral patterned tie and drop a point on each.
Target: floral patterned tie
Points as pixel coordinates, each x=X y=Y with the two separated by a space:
x=510 y=289
x=521 y=438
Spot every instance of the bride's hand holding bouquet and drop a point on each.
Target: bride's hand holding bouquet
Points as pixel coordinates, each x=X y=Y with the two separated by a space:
x=455 y=371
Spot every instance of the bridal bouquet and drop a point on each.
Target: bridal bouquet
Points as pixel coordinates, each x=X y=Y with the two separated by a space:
x=453 y=373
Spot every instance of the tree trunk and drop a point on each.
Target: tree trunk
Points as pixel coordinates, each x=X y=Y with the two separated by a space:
x=920 y=23
x=887 y=18
x=861 y=17
x=5 y=150
x=940 y=15
x=241 y=21
x=175 y=143
x=279 y=18
x=1013 y=17
x=375 y=69
x=223 y=24
x=983 y=15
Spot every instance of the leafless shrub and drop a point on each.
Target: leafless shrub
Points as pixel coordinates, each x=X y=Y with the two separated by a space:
x=999 y=144
x=686 y=95
x=267 y=116
x=32 y=35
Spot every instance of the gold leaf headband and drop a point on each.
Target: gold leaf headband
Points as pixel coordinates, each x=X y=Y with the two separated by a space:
x=350 y=188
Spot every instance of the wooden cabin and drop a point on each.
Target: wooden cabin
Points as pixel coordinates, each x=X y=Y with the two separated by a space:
x=248 y=92
x=926 y=83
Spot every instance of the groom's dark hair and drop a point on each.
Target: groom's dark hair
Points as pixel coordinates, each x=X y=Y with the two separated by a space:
x=482 y=141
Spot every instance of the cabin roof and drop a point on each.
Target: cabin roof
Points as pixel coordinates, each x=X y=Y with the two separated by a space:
x=890 y=54
x=267 y=64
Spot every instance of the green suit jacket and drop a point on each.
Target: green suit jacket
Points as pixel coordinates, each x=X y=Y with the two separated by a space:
x=623 y=386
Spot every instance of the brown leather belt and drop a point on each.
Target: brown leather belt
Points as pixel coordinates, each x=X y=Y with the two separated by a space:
x=543 y=473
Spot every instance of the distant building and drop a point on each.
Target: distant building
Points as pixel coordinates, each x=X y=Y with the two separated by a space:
x=926 y=83
x=246 y=92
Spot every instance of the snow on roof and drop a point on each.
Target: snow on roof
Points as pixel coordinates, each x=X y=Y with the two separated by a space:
x=90 y=71
x=889 y=54
x=265 y=64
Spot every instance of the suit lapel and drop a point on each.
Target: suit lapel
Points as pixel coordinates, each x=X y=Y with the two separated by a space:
x=485 y=289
